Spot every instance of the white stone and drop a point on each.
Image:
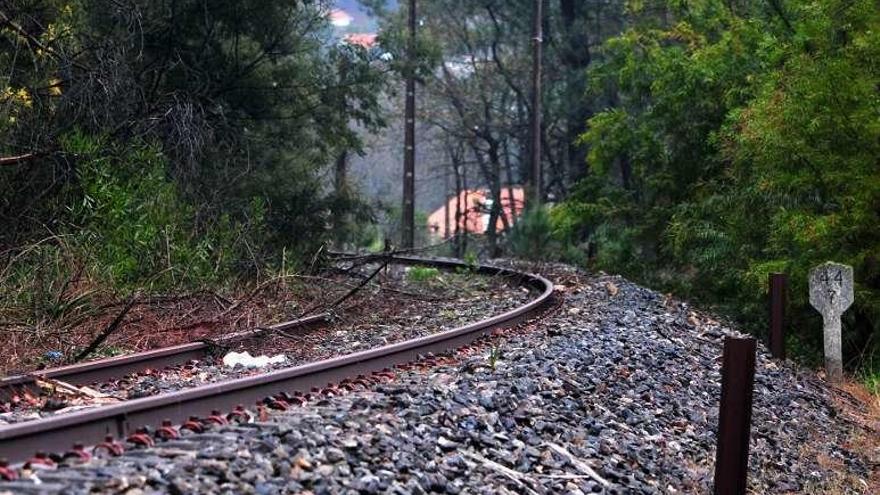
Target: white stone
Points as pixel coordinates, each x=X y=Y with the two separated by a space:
x=831 y=293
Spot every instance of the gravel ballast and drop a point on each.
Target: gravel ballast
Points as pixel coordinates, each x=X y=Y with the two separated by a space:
x=395 y=309
x=616 y=392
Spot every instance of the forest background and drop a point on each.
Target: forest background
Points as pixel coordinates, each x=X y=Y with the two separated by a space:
x=693 y=146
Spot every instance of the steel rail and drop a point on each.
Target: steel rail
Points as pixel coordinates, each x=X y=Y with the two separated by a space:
x=115 y=367
x=57 y=433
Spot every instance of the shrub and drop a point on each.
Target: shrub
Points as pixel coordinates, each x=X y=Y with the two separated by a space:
x=531 y=236
x=132 y=226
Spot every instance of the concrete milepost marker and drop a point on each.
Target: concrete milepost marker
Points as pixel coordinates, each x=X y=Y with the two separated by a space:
x=831 y=293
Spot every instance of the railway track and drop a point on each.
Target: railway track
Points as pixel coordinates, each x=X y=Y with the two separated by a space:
x=141 y=421
x=113 y=367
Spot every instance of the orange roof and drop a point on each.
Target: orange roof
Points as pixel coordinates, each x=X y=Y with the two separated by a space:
x=475 y=211
x=366 y=40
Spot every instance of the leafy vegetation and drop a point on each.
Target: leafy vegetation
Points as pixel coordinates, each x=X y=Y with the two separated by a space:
x=159 y=146
x=744 y=141
x=175 y=143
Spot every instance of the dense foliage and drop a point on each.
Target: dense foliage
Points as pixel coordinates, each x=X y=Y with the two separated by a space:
x=743 y=140
x=171 y=142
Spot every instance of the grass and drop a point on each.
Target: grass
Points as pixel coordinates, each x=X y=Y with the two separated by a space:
x=422 y=273
x=493 y=357
x=871 y=380
x=869 y=373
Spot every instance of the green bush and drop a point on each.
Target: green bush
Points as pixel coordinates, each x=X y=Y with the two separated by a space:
x=546 y=234
x=531 y=236
x=133 y=226
x=738 y=146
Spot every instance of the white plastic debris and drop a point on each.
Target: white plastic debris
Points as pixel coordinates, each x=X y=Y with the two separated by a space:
x=245 y=359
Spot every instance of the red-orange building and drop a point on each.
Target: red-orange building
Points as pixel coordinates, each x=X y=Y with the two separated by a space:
x=366 y=40
x=474 y=208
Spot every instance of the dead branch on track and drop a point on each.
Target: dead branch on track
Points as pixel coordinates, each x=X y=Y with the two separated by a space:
x=251 y=295
x=112 y=327
x=351 y=292
x=56 y=386
x=414 y=295
x=384 y=254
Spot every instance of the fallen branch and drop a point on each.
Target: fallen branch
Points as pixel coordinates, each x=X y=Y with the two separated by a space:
x=579 y=464
x=351 y=292
x=169 y=298
x=515 y=476
x=15 y=160
x=361 y=285
x=415 y=295
x=390 y=252
x=55 y=386
x=112 y=327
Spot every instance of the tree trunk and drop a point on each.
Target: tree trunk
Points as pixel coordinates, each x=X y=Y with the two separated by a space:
x=446 y=224
x=491 y=235
x=536 y=195
x=339 y=216
x=492 y=176
x=626 y=173
x=456 y=168
x=464 y=188
x=341 y=174
x=495 y=161
x=576 y=57
x=508 y=168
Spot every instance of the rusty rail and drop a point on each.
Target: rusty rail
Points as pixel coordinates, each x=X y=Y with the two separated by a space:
x=55 y=434
x=114 y=367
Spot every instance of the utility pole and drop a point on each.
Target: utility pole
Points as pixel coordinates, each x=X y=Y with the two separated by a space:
x=537 y=50
x=409 y=154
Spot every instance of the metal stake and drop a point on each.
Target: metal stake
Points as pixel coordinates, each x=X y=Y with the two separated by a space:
x=778 y=296
x=734 y=422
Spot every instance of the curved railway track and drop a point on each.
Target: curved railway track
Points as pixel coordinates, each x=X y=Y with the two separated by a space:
x=139 y=421
x=113 y=367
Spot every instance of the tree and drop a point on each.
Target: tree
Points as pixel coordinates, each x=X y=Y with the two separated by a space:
x=476 y=65
x=234 y=94
x=742 y=141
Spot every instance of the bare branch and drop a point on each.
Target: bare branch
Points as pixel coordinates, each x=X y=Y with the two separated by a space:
x=15 y=160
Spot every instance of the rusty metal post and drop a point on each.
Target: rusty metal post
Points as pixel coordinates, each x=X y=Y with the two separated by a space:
x=409 y=153
x=778 y=296
x=734 y=422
